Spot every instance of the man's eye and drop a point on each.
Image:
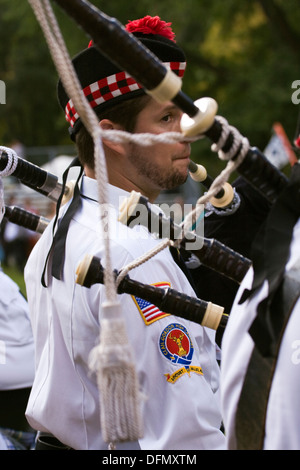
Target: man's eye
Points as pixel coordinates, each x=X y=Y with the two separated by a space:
x=167 y=117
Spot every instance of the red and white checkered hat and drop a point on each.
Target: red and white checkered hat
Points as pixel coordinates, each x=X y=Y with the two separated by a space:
x=104 y=84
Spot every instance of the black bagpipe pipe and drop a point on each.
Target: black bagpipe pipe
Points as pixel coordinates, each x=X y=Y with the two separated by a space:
x=37 y=178
x=210 y=252
x=128 y=53
x=26 y=219
x=90 y=272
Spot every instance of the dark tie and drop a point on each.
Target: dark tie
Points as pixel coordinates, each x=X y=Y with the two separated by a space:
x=59 y=239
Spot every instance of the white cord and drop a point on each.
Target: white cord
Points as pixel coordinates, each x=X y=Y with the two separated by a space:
x=12 y=161
x=72 y=85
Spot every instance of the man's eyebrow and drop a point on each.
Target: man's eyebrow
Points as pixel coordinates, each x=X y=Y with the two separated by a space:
x=171 y=107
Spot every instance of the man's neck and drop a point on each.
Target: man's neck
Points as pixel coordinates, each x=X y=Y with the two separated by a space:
x=117 y=179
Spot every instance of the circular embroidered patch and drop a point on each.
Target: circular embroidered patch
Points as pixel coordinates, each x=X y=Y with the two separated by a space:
x=176 y=345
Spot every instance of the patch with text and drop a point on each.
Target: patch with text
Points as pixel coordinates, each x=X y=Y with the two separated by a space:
x=176 y=346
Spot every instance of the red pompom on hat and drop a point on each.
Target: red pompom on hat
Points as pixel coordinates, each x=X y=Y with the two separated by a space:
x=104 y=84
x=151 y=25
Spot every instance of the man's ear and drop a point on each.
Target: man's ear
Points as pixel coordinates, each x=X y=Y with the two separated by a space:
x=108 y=125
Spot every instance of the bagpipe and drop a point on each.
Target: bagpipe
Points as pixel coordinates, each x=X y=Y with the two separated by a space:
x=163 y=85
x=199 y=119
x=214 y=255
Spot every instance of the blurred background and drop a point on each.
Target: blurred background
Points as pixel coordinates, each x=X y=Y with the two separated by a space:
x=245 y=55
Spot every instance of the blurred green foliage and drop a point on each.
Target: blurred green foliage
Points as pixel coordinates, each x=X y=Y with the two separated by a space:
x=17 y=276
x=243 y=54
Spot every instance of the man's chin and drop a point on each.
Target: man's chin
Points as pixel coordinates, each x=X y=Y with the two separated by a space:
x=177 y=180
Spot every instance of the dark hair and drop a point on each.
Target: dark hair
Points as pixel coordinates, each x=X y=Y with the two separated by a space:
x=125 y=114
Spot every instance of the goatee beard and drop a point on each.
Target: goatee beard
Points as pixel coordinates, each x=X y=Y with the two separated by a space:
x=162 y=180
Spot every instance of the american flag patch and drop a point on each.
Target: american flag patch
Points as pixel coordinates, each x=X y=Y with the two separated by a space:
x=149 y=312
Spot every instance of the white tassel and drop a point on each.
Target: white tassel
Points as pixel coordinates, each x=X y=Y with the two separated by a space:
x=112 y=361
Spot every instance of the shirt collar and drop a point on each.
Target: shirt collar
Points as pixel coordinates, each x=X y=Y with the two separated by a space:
x=115 y=195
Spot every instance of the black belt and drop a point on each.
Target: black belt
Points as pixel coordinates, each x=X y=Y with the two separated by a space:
x=46 y=441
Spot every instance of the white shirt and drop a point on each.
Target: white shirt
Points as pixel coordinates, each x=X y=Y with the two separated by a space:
x=283 y=419
x=177 y=414
x=16 y=340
